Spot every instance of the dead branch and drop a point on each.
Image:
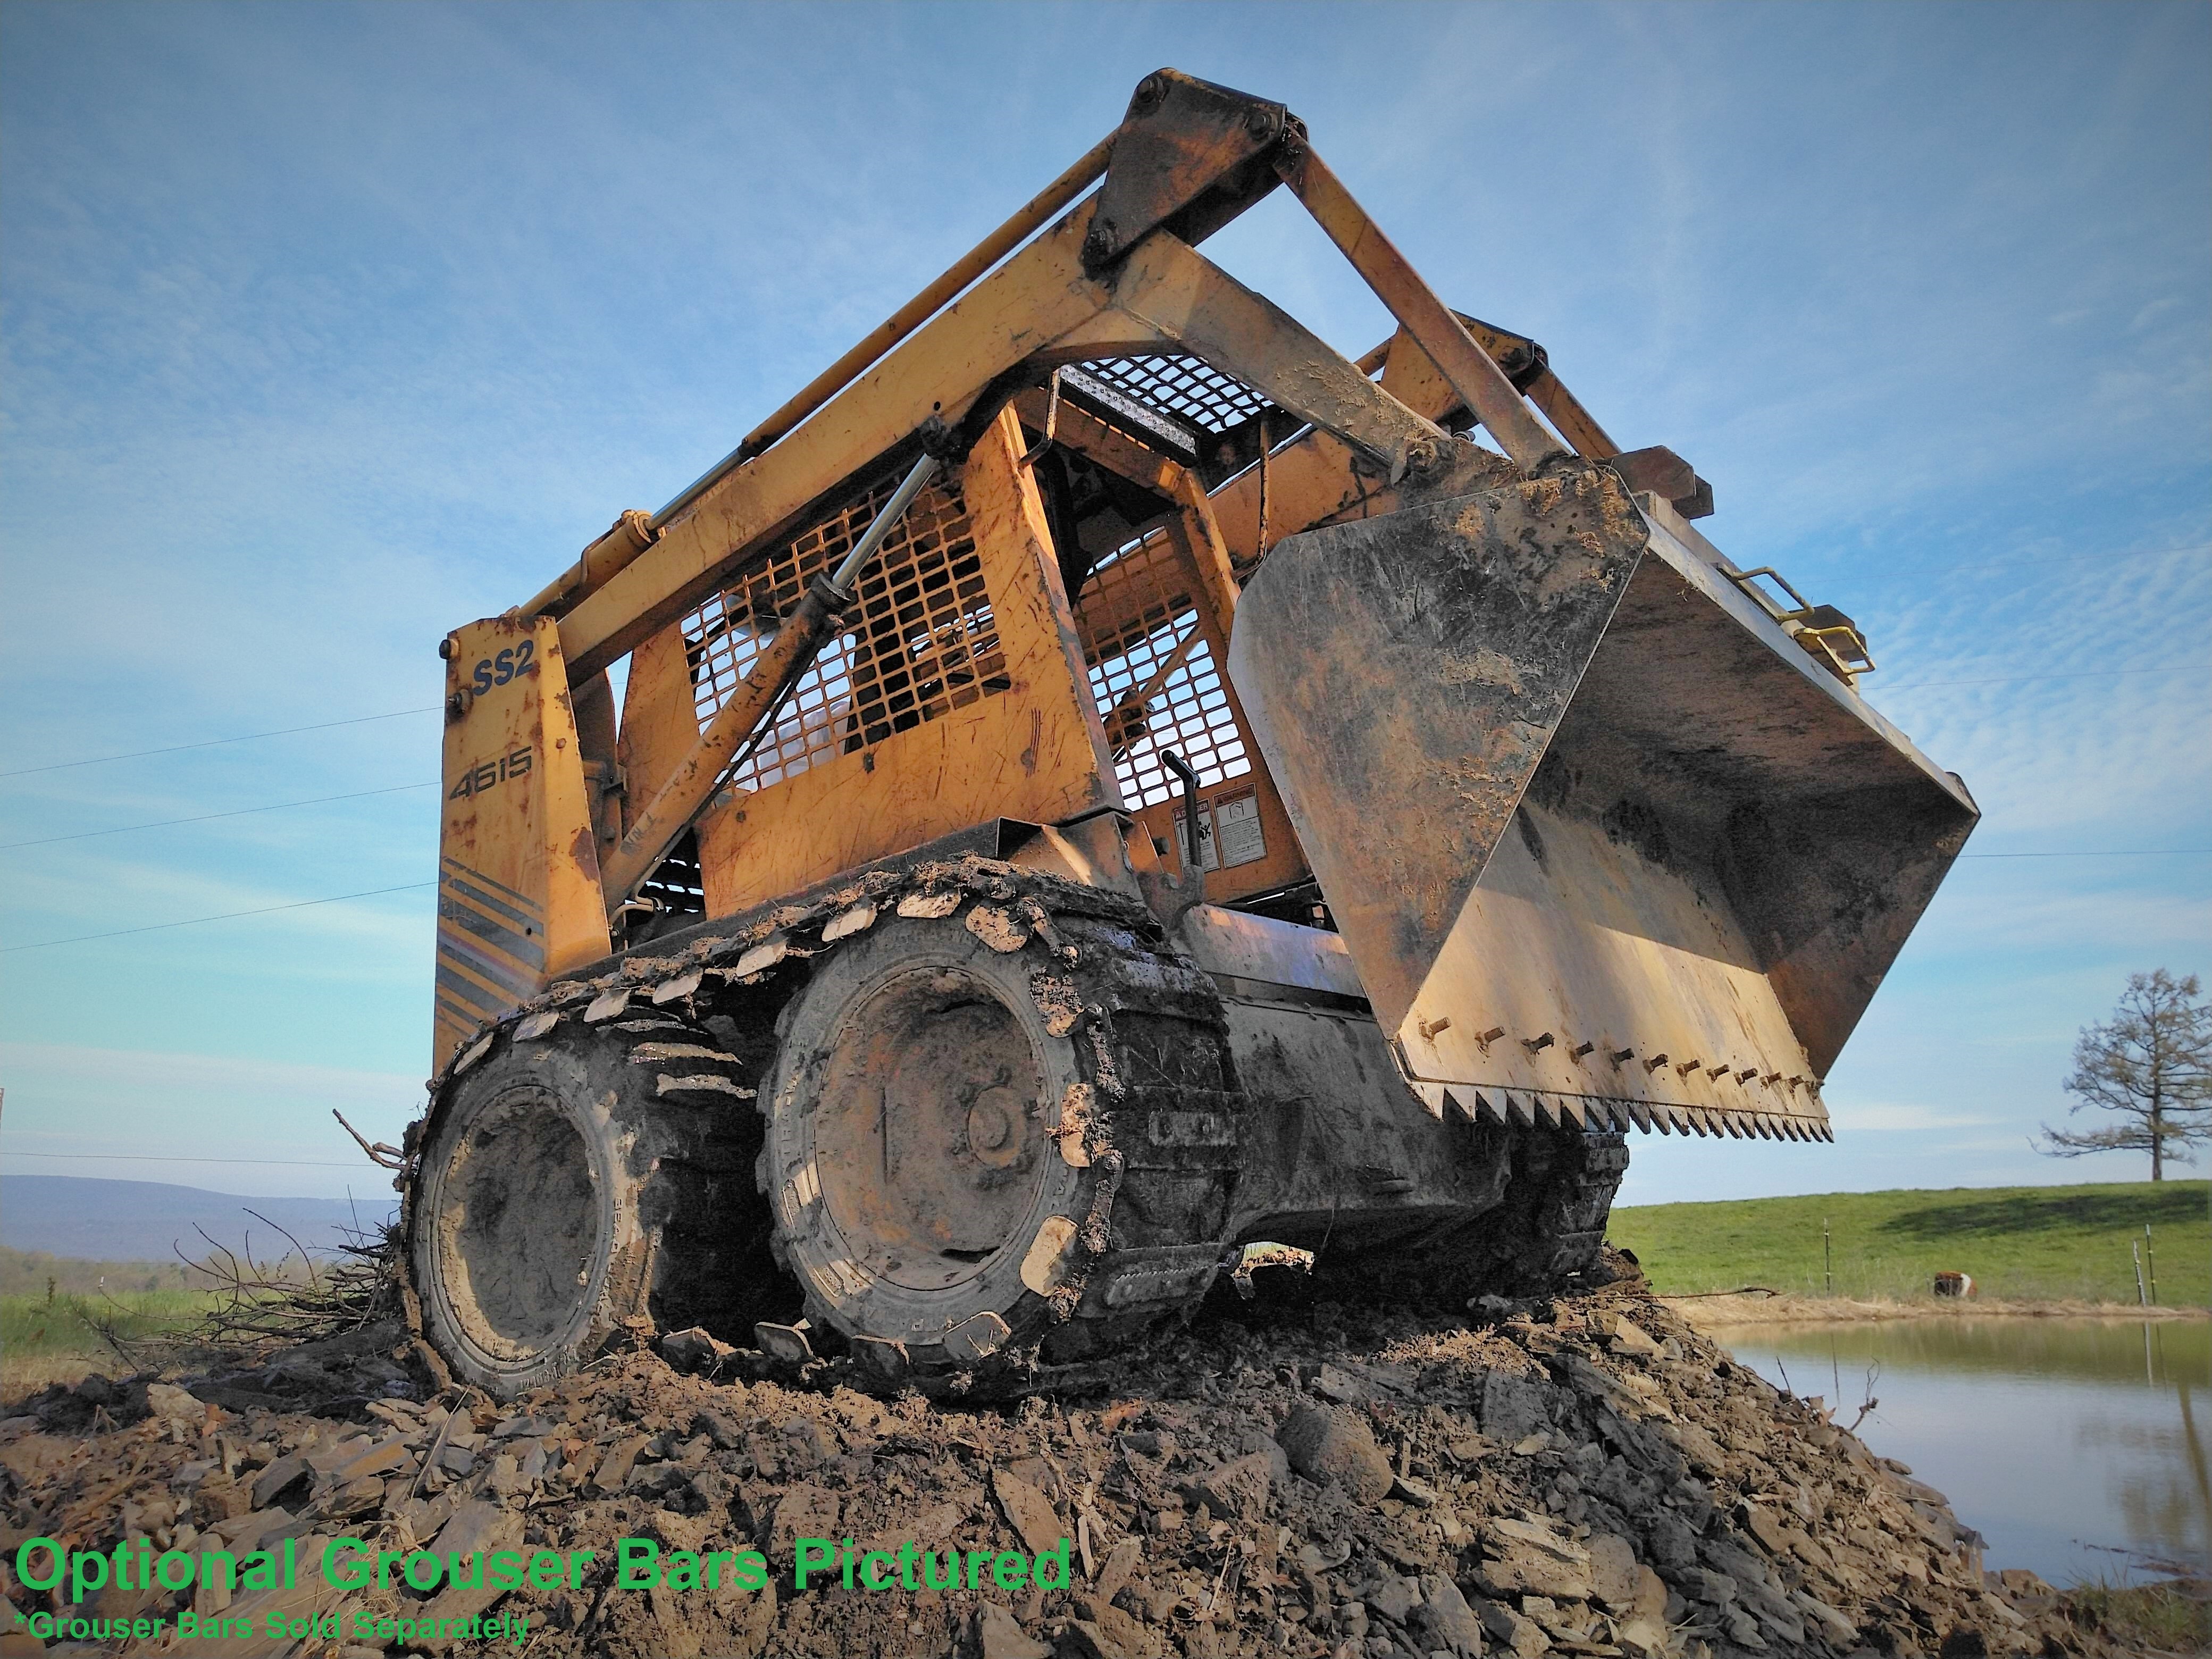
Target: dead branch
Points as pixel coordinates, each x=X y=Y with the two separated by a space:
x=388 y=1157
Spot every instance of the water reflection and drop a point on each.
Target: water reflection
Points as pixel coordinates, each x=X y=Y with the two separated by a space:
x=2061 y=1440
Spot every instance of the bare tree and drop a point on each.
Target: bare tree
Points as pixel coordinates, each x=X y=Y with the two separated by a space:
x=2150 y=1065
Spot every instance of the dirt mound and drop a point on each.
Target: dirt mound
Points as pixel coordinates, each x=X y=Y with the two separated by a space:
x=1586 y=1476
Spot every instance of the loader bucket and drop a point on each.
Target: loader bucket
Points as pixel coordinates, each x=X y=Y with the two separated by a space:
x=1604 y=842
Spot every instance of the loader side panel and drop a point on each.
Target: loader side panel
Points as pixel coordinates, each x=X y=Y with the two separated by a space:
x=518 y=897
x=956 y=694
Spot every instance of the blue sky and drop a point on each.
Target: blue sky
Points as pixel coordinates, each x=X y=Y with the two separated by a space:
x=326 y=328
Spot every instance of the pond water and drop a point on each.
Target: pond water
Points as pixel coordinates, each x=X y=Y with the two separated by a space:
x=2076 y=1447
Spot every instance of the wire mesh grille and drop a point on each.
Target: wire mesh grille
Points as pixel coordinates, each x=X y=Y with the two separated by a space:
x=1189 y=388
x=1153 y=672
x=921 y=641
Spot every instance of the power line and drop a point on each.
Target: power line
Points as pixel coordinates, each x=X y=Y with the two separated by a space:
x=2121 y=852
x=228 y=915
x=2010 y=679
x=213 y=743
x=165 y=1158
x=242 y=811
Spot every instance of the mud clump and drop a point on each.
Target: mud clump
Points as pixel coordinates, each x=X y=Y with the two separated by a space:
x=1584 y=1476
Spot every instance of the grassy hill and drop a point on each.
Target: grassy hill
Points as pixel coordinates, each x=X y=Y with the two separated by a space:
x=2017 y=1242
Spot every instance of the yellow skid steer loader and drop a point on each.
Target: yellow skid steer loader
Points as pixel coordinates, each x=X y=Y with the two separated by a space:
x=1101 y=778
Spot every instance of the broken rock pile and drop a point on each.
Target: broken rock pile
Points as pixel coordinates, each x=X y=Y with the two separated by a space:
x=1584 y=1476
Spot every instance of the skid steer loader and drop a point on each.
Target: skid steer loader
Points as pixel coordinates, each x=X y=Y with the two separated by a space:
x=1100 y=777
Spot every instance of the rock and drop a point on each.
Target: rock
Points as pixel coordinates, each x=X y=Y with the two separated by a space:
x=810 y=1437
x=1235 y=1491
x=278 y=1479
x=1113 y=1636
x=1028 y=1511
x=218 y=1498
x=1523 y=1638
x=1114 y=1572
x=1671 y=1542
x=1513 y=1408
x=382 y=1458
x=1764 y=1525
x=1628 y=1338
x=613 y=1472
x=1523 y=1558
x=1392 y=1598
x=1418 y=1493
x=354 y=1498
x=694 y=1350
x=172 y=1406
x=1742 y=1629
x=1703 y=1584
x=1334 y=1384
x=1839 y=1629
x=1329 y=1445
x=336 y=1455
x=998 y=1636
x=719 y=1426
x=1698 y=1445
x=1444 y=1619
x=1642 y=1637
x=1651 y=1595
x=477 y=1525
x=803 y=1512
x=1613 y=1572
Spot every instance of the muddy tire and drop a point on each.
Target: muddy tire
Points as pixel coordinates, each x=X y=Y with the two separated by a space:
x=593 y=1183
x=1001 y=1137
x=921 y=1196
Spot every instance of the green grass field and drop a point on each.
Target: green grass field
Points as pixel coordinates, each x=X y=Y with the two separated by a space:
x=57 y=1339
x=53 y=1308
x=2018 y=1241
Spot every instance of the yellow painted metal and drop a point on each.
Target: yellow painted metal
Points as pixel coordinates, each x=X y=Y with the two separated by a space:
x=660 y=720
x=1409 y=375
x=628 y=536
x=1035 y=751
x=518 y=869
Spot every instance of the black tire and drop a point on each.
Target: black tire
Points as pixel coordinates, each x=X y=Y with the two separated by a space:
x=920 y=1195
x=595 y=1181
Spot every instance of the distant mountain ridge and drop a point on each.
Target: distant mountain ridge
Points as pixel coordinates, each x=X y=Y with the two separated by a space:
x=142 y=1221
